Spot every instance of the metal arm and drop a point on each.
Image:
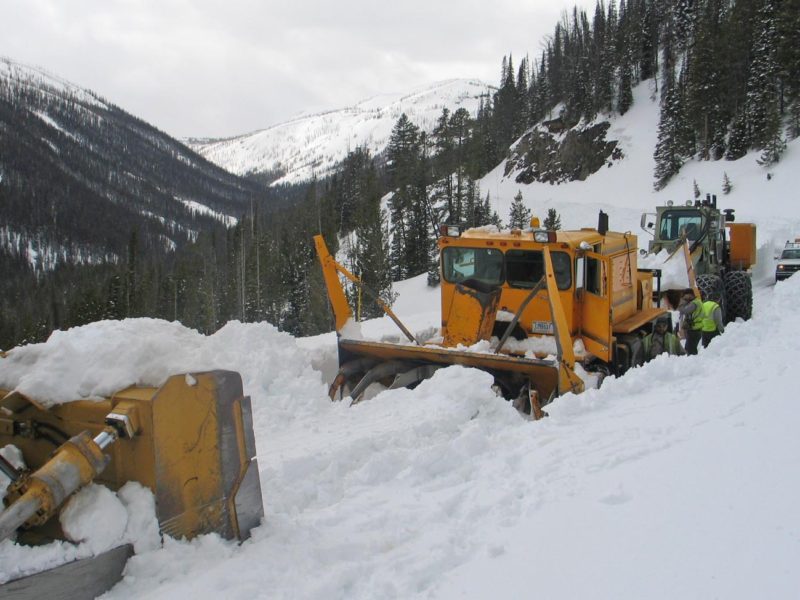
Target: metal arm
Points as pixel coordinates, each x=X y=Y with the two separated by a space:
x=341 y=308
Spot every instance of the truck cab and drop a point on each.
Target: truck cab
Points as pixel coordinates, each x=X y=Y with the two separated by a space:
x=606 y=299
x=789 y=261
x=700 y=222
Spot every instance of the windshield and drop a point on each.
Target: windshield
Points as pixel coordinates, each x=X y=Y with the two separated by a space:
x=483 y=264
x=792 y=253
x=522 y=269
x=525 y=267
x=676 y=222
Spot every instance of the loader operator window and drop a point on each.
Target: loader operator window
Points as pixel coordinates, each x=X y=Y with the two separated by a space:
x=483 y=264
x=525 y=267
x=675 y=222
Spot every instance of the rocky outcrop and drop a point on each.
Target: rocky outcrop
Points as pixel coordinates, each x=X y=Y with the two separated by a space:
x=541 y=156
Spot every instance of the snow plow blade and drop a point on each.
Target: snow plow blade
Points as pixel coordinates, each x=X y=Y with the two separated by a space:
x=507 y=369
x=79 y=580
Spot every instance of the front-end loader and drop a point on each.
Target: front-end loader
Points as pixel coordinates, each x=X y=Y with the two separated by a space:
x=576 y=297
x=721 y=252
x=189 y=441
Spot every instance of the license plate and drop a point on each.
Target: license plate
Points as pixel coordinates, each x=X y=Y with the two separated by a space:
x=542 y=327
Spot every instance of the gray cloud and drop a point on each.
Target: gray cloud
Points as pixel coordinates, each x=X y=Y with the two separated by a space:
x=219 y=68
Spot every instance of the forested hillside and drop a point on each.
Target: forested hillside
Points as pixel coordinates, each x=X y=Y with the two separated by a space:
x=95 y=203
x=726 y=75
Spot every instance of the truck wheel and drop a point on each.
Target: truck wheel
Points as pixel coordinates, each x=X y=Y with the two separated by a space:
x=712 y=288
x=738 y=295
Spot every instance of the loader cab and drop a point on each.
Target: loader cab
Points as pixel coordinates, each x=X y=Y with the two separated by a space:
x=675 y=223
x=695 y=221
x=605 y=299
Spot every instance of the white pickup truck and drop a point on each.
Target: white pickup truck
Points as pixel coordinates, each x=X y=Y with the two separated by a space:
x=789 y=260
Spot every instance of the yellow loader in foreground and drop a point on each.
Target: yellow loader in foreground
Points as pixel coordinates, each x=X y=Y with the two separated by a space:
x=190 y=442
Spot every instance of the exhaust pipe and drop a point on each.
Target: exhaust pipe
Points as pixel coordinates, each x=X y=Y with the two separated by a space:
x=602 y=223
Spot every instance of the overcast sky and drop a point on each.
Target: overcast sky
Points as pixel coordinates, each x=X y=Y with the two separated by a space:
x=220 y=68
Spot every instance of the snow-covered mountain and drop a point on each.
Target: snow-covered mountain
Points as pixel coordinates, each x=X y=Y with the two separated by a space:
x=78 y=173
x=312 y=145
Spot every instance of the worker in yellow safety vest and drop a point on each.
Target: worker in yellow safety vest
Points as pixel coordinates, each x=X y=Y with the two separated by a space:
x=711 y=322
x=691 y=311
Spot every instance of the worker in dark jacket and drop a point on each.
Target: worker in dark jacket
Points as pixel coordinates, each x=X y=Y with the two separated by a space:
x=691 y=311
x=661 y=340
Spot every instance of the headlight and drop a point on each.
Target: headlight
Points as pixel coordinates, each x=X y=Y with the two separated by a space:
x=449 y=230
x=544 y=237
x=780 y=267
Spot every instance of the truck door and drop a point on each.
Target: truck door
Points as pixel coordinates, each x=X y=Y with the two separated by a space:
x=596 y=309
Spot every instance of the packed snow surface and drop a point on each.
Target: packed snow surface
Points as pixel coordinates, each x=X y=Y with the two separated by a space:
x=686 y=465
x=678 y=480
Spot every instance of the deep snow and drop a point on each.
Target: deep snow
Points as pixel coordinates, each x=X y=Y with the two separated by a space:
x=677 y=480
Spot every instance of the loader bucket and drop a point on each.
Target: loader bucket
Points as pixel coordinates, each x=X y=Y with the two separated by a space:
x=193 y=447
x=78 y=580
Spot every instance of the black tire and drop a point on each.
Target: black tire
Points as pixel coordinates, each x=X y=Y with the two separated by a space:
x=712 y=288
x=738 y=295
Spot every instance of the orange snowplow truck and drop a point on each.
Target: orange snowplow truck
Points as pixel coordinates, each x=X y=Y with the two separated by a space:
x=574 y=303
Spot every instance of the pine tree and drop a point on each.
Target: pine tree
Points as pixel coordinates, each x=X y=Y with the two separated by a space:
x=625 y=91
x=793 y=128
x=736 y=42
x=727 y=186
x=788 y=59
x=762 y=84
x=506 y=107
x=488 y=215
x=552 y=221
x=603 y=55
x=703 y=87
x=473 y=207
x=774 y=145
x=519 y=216
x=370 y=256
x=739 y=139
x=650 y=20
x=403 y=154
x=130 y=276
x=543 y=92
x=667 y=154
x=523 y=113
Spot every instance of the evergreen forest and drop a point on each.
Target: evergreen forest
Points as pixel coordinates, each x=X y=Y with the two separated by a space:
x=726 y=74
